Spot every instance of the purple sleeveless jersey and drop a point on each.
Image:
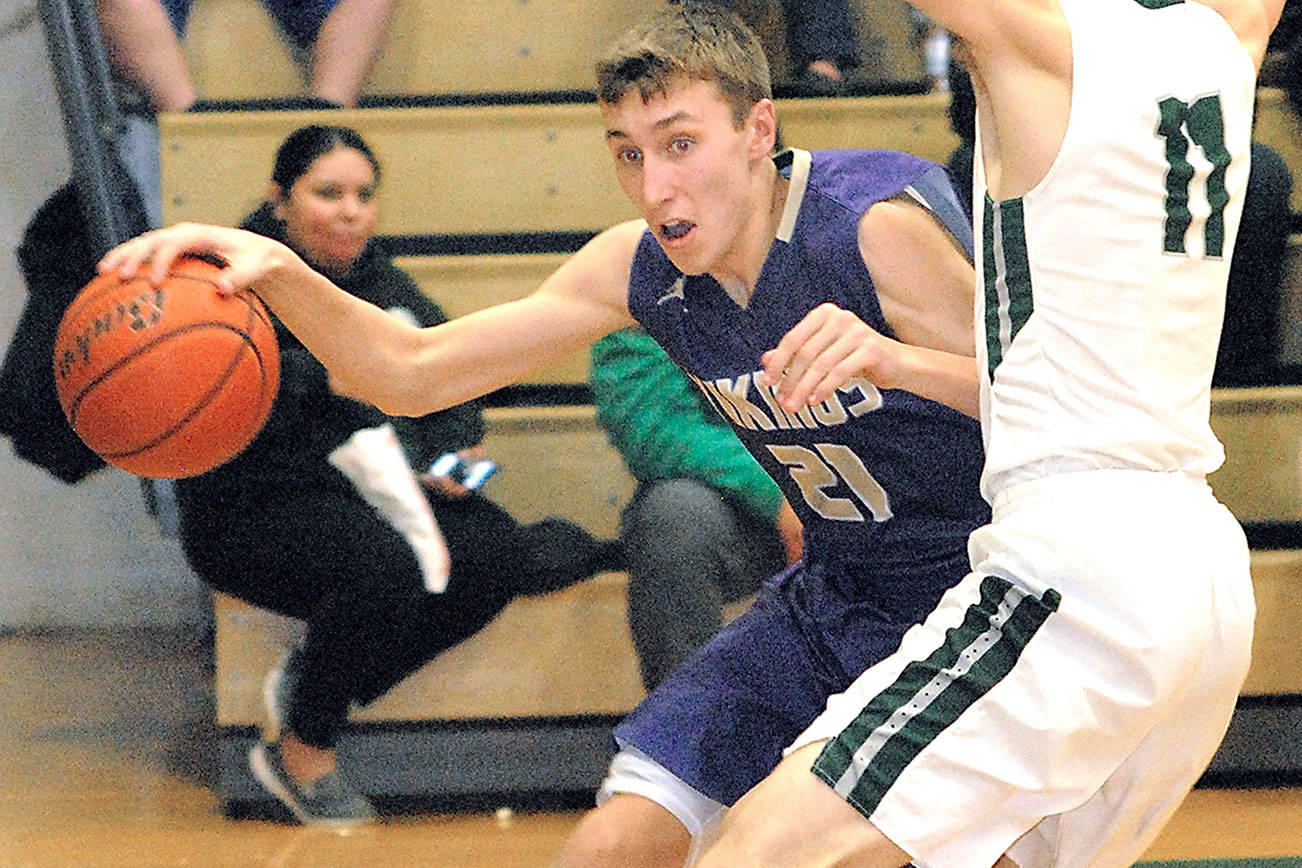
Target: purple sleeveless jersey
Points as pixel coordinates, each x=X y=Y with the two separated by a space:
x=884 y=481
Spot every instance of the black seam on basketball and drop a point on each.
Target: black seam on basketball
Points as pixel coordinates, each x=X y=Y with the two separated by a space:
x=199 y=406
x=158 y=338
x=258 y=313
x=255 y=304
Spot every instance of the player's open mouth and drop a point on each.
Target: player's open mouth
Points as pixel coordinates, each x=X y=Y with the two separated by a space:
x=676 y=229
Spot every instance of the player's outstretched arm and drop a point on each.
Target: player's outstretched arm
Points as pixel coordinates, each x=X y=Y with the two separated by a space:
x=402 y=369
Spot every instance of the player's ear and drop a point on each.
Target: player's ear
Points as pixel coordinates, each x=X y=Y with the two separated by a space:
x=276 y=196
x=763 y=125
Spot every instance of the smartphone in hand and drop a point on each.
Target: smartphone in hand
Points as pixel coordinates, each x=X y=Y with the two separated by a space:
x=469 y=474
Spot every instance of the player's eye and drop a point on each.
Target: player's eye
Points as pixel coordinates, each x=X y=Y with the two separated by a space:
x=681 y=144
x=631 y=156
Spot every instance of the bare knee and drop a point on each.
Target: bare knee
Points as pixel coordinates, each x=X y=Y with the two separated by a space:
x=792 y=818
x=630 y=832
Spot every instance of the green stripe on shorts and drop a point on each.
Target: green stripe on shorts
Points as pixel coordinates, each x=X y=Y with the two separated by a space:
x=866 y=758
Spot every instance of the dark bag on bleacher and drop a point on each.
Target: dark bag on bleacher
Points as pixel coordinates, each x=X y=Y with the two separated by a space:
x=57 y=260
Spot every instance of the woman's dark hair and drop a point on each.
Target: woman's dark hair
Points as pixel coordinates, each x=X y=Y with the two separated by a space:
x=302 y=147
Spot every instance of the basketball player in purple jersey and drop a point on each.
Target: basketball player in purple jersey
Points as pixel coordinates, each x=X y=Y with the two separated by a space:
x=737 y=246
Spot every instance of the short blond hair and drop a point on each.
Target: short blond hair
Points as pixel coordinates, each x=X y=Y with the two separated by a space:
x=692 y=40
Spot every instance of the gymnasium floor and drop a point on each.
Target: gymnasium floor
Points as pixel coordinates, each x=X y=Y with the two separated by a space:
x=105 y=755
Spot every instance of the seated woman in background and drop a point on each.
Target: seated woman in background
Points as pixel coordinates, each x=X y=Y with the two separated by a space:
x=282 y=528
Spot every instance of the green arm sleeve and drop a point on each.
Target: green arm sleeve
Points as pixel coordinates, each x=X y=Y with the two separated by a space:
x=655 y=418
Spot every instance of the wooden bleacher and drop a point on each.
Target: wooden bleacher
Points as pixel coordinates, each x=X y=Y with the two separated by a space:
x=492 y=46
x=492 y=169
x=1261 y=483
x=524 y=708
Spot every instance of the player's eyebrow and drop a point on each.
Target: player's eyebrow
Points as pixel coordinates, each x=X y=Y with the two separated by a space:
x=670 y=120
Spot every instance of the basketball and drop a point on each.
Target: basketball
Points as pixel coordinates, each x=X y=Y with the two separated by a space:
x=166 y=381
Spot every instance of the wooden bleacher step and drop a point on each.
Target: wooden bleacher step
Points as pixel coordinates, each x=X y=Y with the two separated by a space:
x=462 y=284
x=1261 y=428
x=529 y=168
x=1290 y=311
x=490 y=169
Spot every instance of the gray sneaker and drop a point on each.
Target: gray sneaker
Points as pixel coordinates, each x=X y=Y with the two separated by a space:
x=277 y=688
x=330 y=801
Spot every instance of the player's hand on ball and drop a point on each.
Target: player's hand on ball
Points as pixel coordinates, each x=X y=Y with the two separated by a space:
x=821 y=352
x=170 y=380
x=248 y=257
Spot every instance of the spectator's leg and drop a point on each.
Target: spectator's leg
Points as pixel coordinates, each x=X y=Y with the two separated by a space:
x=347 y=46
x=487 y=553
x=688 y=551
x=145 y=50
x=325 y=558
x=558 y=553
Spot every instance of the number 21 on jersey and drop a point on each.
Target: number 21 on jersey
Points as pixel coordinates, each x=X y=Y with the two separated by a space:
x=829 y=465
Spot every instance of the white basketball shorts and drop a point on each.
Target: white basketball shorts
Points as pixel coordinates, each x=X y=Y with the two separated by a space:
x=1065 y=696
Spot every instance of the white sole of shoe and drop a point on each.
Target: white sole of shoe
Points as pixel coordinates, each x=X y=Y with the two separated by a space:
x=261 y=767
x=271 y=732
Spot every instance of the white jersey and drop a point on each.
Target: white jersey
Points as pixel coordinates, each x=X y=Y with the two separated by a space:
x=1104 y=286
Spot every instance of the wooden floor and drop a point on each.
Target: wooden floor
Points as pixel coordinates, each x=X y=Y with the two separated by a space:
x=105 y=760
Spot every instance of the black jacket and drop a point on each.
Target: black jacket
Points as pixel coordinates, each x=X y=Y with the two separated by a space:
x=308 y=421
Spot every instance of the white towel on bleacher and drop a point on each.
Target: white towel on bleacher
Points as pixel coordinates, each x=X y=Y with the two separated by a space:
x=374 y=462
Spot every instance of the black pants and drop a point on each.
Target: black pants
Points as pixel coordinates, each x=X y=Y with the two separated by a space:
x=325 y=557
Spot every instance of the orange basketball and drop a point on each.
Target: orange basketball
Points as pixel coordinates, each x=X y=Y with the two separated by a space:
x=166 y=381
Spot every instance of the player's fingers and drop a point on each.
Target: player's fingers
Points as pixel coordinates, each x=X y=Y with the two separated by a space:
x=808 y=365
x=798 y=387
x=234 y=278
x=858 y=355
x=166 y=249
x=126 y=258
x=777 y=360
x=847 y=356
x=822 y=389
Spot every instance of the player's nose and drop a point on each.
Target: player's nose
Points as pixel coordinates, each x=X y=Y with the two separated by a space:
x=657 y=182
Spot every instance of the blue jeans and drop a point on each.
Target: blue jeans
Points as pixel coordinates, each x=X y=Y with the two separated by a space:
x=301 y=20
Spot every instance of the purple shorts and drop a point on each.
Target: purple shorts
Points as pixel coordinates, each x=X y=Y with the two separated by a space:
x=721 y=721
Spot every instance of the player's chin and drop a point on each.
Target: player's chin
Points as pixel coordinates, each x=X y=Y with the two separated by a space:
x=687 y=254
